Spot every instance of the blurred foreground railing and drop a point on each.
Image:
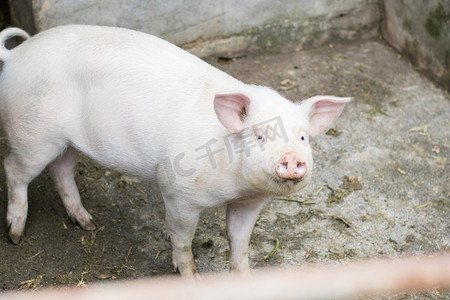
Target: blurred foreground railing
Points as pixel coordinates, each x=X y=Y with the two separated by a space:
x=362 y=278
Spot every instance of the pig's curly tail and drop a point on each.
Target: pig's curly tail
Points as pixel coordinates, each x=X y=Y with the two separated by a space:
x=7 y=34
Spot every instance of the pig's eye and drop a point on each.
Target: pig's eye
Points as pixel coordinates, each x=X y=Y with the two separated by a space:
x=260 y=137
x=304 y=138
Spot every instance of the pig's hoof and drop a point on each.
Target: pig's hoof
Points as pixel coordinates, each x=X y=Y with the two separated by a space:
x=194 y=275
x=14 y=237
x=188 y=272
x=88 y=226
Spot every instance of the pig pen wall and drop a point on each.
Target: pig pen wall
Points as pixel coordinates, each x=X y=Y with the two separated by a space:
x=209 y=27
x=418 y=29
x=421 y=31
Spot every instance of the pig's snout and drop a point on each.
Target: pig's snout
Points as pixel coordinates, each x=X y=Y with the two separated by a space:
x=291 y=166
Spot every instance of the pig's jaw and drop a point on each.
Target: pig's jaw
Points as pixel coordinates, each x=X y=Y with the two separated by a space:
x=273 y=185
x=288 y=186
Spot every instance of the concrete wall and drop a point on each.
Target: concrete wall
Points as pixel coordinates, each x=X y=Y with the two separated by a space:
x=420 y=30
x=211 y=26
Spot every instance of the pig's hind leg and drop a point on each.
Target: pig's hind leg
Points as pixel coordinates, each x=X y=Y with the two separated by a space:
x=62 y=171
x=22 y=165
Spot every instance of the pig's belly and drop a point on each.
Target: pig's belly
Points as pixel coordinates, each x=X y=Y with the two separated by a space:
x=119 y=148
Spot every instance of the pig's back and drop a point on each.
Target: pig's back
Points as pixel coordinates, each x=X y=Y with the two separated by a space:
x=123 y=97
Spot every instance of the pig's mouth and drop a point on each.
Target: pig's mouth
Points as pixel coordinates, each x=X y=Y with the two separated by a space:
x=284 y=185
x=288 y=182
x=271 y=183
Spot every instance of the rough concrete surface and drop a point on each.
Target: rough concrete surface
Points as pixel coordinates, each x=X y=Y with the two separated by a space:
x=380 y=187
x=210 y=26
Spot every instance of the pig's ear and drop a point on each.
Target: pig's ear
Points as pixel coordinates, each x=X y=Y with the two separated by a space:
x=323 y=111
x=231 y=109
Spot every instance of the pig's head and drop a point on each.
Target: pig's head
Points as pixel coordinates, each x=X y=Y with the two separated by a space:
x=271 y=135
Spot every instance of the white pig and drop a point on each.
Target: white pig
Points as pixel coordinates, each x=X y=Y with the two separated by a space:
x=140 y=105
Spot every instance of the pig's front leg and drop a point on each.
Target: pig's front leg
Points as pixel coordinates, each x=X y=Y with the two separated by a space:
x=241 y=217
x=182 y=221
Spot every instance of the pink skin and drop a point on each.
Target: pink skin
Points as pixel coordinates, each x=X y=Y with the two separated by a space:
x=291 y=166
x=167 y=116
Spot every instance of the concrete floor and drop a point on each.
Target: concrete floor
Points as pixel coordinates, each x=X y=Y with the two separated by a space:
x=380 y=187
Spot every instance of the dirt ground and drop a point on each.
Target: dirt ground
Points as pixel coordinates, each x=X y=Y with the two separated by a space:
x=380 y=187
